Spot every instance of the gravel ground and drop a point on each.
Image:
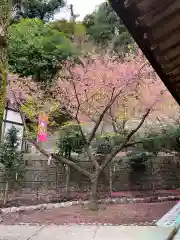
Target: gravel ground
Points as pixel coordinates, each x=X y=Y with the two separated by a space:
x=137 y=214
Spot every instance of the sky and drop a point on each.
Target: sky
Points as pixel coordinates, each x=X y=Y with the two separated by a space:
x=81 y=7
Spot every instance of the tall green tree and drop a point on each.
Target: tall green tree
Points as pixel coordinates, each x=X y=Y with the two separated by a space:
x=5 y=19
x=75 y=31
x=105 y=29
x=64 y=26
x=89 y=20
x=12 y=159
x=7 y=7
x=42 y=9
x=37 y=50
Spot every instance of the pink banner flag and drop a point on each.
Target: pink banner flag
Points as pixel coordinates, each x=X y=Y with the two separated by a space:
x=42 y=127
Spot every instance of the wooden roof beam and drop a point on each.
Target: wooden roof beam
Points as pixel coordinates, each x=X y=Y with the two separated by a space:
x=138 y=34
x=170 y=48
x=163 y=37
x=165 y=20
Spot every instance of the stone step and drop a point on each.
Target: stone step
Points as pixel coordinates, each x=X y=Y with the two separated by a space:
x=134 y=233
x=72 y=232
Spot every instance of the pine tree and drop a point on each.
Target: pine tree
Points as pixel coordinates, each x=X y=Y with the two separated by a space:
x=12 y=159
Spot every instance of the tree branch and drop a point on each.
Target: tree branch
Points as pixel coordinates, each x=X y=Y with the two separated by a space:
x=125 y=142
x=47 y=154
x=114 y=123
x=111 y=102
x=18 y=107
x=98 y=122
x=163 y=128
x=86 y=145
x=72 y=164
x=77 y=99
x=61 y=159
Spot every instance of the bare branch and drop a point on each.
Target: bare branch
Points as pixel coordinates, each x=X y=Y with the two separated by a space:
x=86 y=146
x=111 y=102
x=114 y=123
x=47 y=154
x=18 y=107
x=125 y=142
x=61 y=159
x=87 y=149
x=91 y=105
x=98 y=122
x=72 y=164
x=91 y=118
x=162 y=126
x=77 y=99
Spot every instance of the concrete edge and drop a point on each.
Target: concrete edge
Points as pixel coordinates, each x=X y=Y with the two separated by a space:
x=122 y=200
x=170 y=217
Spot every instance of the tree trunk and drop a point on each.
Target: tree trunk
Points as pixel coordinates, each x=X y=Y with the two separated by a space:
x=110 y=179
x=5 y=15
x=93 y=205
x=6 y=192
x=3 y=83
x=68 y=175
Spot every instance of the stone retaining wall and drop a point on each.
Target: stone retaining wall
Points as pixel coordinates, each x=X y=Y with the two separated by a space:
x=161 y=173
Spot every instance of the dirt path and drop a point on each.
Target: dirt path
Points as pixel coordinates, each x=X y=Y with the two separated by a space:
x=141 y=214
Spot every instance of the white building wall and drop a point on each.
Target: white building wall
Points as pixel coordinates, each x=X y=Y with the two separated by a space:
x=13 y=117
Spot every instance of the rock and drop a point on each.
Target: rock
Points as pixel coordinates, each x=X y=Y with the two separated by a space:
x=57 y=205
x=22 y=208
x=85 y=202
x=137 y=200
x=43 y=206
x=116 y=200
x=13 y=209
x=173 y=198
x=124 y=200
x=5 y=210
x=67 y=204
x=162 y=199
x=17 y=209
x=50 y=206
x=62 y=205
x=132 y=200
x=38 y=207
x=108 y=201
x=31 y=208
x=74 y=203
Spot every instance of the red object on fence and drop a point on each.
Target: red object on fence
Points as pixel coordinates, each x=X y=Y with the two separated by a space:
x=42 y=127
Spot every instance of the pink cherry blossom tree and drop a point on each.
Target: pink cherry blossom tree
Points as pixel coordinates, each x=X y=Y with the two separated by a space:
x=95 y=91
x=91 y=90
